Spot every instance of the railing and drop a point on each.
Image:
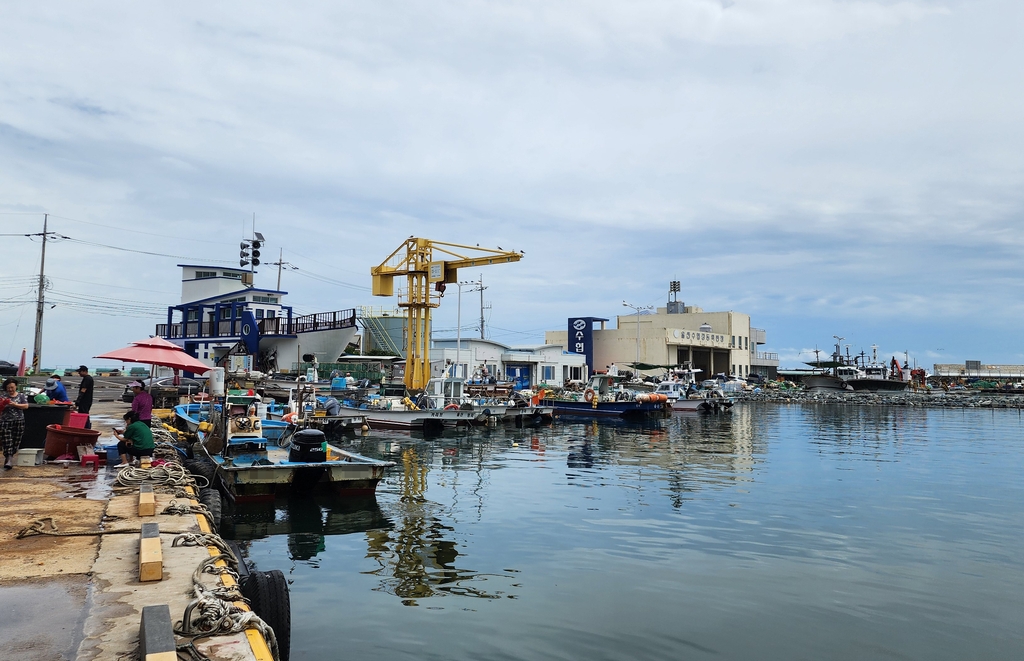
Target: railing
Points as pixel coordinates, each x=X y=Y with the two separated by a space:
x=766 y=355
x=323 y=321
x=268 y=326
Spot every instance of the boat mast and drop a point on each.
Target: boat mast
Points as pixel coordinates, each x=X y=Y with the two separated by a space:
x=37 y=347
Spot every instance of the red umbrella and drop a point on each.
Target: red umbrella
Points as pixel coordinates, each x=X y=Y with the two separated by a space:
x=173 y=357
x=156 y=342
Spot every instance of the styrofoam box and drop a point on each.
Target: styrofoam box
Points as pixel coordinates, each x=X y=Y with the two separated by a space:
x=29 y=457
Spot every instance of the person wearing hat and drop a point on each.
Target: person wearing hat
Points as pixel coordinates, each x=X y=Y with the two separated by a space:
x=55 y=390
x=142 y=403
x=84 y=401
x=135 y=441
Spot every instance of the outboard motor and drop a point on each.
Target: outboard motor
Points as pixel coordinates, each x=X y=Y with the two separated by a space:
x=308 y=446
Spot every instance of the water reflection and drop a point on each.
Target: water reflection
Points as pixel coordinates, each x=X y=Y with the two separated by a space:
x=416 y=557
x=306 y=521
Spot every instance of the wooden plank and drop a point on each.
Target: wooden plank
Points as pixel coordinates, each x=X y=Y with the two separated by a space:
x=147 y=500
x=151 y=559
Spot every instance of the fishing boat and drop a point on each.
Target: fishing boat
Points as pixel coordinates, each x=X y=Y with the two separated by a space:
x=605 y=396
x=442 y=404
x=708 y=400
x=879 y=377
x=254 y=467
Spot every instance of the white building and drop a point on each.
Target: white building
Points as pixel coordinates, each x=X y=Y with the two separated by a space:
x=713 y=342
x=527 y=366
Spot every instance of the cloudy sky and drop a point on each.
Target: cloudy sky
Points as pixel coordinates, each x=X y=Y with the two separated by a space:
x=828 y=166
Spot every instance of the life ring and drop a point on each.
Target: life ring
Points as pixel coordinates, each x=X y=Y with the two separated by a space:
x=452 y=407
x=588 y=395
x=288 y=417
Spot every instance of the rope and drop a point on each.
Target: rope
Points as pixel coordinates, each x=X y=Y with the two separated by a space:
x=211 y=614
x=184 y=509
x=38 y=528
x=172 y=474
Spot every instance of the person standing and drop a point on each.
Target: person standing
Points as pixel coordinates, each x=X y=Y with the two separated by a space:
x=142 y=403
x=83 y=403
x=12 y=421
x=136 y=440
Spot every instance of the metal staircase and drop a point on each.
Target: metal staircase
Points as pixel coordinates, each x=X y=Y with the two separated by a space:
x=369 y=319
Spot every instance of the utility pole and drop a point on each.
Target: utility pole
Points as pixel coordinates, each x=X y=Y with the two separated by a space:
x=482 y=288
x=280 y=261
x=37 y=348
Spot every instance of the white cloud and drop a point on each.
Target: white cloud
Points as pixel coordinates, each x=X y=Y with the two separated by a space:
x=815 y=163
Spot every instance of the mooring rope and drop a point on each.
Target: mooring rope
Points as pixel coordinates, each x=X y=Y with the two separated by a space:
x=213 y=613
x=38 y=527
x=171 y=474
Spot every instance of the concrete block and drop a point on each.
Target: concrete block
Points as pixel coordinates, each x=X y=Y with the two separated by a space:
x=147 y=500
x=156 y=634
x=151 y=559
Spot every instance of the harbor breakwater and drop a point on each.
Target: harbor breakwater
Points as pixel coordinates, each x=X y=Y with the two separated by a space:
x=931 y=399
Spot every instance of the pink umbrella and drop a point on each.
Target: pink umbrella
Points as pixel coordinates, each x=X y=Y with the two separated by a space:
x=172 y=356
x=156 y=342
x=21 y=365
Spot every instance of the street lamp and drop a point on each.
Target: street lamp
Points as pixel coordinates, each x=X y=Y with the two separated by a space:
x=458 y=323
x=637 y=308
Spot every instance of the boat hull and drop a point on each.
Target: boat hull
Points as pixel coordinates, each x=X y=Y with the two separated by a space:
x=602 y=409
x=421 y=419
x=705 y=405
x=824 y=382
x=877 y=385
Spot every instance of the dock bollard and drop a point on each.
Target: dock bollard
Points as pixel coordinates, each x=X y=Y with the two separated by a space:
x=147 y=500
x=151 y=557
x=156 y=634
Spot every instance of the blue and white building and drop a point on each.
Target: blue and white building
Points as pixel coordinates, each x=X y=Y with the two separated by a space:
x=222 y=313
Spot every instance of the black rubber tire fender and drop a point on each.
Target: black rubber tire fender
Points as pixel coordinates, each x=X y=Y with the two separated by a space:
x=211 y=498
x=268 y=597
x=203 y=467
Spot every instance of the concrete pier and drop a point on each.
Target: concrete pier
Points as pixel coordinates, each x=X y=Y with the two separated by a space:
x=80 y=597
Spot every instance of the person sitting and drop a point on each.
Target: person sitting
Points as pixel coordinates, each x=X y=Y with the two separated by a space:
x=55 y=390
x=136 y=440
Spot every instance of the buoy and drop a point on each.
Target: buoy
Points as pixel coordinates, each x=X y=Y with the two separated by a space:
x=588 y=395
x=366 y=427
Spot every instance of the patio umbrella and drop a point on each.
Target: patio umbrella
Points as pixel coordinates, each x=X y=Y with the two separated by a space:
x=171 y=356
x=156 y=342
x=21 y=364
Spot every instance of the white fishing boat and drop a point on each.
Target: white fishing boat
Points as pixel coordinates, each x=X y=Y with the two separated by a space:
x=710 y=400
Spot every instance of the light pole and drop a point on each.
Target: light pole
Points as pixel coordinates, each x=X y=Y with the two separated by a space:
x=637 y=308
x=458 y=323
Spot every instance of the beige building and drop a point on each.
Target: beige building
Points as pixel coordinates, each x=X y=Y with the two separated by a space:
x=713 y=342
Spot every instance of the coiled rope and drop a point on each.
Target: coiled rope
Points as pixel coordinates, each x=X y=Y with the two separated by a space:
x=171 y=474
x=212 y=611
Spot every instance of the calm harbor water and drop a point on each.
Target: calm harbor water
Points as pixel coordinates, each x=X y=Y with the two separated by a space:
x=774 y=532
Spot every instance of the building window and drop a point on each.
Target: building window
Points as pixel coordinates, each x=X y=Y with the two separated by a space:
x=259 y=313
x=547 y=373
x=732 y=342
x=230 y=274
x=264 y=299
x=202 y=275
x=225 y=313
x=193 y=315
x=271 y=314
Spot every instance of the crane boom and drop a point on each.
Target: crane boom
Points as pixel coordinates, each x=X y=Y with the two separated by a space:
x=423 y=263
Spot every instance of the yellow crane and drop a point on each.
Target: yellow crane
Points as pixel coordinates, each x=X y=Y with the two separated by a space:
x=427 y=263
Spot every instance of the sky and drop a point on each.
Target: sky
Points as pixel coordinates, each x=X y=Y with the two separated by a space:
x=829 y=167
